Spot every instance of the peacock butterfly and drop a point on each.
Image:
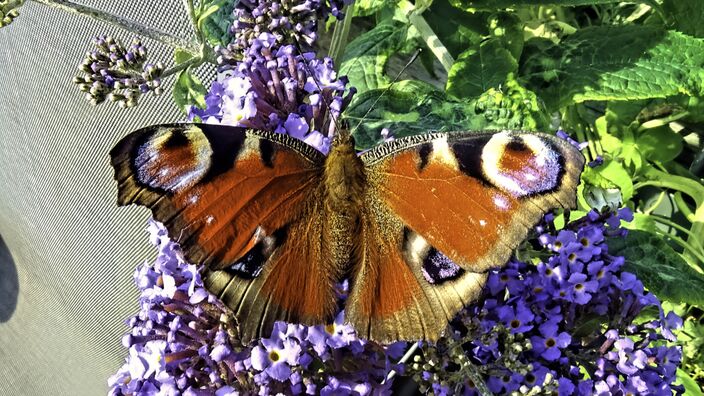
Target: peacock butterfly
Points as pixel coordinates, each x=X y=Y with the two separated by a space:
x=414 y=223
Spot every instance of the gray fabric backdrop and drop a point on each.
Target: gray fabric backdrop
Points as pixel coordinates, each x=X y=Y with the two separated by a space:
x=67 y=253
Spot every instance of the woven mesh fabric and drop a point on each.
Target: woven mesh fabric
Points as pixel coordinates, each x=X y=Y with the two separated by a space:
x=67 y=252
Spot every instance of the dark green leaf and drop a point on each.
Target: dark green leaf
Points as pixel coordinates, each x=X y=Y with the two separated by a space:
x=686 y=16
x=615 y=63
x=457 y=30
x=188 y=91
x=215 y=26
x=414 y=107
x=508 y=28
x=474 y=72
x=659 y=267
x=588 y=324
x=365 y=57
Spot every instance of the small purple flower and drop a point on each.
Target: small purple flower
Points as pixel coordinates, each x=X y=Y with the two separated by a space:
x=518 y=319
x=549 y=343
x=581 y=288
x=276 y=358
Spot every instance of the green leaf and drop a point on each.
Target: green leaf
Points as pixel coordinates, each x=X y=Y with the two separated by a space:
x=365 y=57
x=508 y=28
x=414 y=107
x=370 y=7
x=457 y=30
x=496 y=4
x=215 y=21
x=615 y=63
x=181 y=56
x=686 y=16
x=659 y=267
x=188 y=91
x=611 y=174
x=691 y=388
x=660 y=144
x=212 y=9
x=474 y=72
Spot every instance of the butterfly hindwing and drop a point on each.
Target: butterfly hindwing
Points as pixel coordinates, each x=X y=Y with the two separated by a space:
x=464 y=198
x=243 y=203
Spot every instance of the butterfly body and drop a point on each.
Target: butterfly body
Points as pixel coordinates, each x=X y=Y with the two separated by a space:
x=414 y=224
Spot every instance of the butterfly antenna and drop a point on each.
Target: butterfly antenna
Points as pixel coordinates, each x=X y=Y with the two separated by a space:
x=320 y=89
x=413 y=58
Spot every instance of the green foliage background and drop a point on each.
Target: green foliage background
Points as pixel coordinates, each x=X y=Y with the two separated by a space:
x=628 y=78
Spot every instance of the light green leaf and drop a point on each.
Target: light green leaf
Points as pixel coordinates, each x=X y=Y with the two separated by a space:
x=212 y=9
x=686 y=16
x=365 y=57
x=659 y=267
x=369 y=7
x=188 y=91
x=615 y=63
x=691 y=388
x=495 y=4
x=611 y=174
x=474 y=72
x=181 y=56
x=609 y=142
x=642 y=222
x=660 y=144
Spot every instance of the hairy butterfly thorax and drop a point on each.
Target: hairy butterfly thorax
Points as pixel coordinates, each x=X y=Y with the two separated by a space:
x=344 y=183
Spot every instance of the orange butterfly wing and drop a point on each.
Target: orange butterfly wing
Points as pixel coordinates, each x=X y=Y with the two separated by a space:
x=236 y=199
x=466 y=197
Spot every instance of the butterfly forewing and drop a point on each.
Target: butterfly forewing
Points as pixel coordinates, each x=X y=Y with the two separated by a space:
x=243 y=203
x=468 y=197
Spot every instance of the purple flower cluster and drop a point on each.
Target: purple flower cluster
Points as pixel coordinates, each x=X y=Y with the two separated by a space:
x=543 y=327
x=184 y=341
x=117 y=73
x=274 y=89
x=288 y=20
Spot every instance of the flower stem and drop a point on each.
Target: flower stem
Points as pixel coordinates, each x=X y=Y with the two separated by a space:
x=340 y=34
x=127 y=24
x=431 y=39
x=195 y=61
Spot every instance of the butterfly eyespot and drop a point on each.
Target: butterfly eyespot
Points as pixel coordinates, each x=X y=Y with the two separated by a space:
x=521 y=165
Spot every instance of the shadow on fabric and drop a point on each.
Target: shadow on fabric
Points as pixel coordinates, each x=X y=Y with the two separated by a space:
x=9 y=283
